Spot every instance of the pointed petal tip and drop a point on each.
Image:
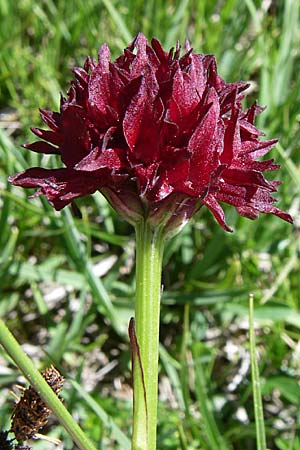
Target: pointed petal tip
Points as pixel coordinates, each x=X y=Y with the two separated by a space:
x=12 y=178
x=229 y=229
x=285 y=216
x=16 y=178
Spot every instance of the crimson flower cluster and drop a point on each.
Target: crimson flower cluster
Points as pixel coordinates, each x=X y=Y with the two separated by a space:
x=159 y=135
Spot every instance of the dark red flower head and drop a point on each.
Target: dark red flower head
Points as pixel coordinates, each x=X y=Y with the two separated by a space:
x=159 y=135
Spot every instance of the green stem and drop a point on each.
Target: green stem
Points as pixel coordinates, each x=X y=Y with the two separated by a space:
x=34 y=377
x=258 y=406
x=149 y=251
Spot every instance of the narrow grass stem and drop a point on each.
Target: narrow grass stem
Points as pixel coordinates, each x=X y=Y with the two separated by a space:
x=149 y=251
x=211 y=431
x=34 y=377
x=258 y=406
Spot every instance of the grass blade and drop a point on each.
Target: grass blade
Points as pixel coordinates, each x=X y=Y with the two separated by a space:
x=76 y=251
x=120 y=437
x=118 y=20
x=213 y=435
x=258 y=406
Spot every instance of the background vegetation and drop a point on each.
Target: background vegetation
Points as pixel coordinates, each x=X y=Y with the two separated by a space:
x=56 y=270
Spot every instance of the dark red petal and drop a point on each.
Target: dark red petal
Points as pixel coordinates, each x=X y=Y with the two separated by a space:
x=185 y=97
x=245 y=178
x=260 y=166
x=139 y=125
x=257 y=149
x=198 y=71
x=145 y=176
x=50 y=136
x=42 y=147
x=263 y=202
x=60 y=186
x=104 y=58
x=252 y=212
x=102 y=158
x=89 y=64
x=236 y=196
x=249 y=128
x=81 y=75
x=141 y=58
x=205 y=145
x=279 y=213
x=95 y=160
x=164 y=189
x=98 y=87
x=232 y=138
x=248 y=211
x=51 y=118
x=159 y=51
x=76 y=140
x=217 y=211
x=231 y=95
x=177 y=175
x=108 y=135
x=252 y=112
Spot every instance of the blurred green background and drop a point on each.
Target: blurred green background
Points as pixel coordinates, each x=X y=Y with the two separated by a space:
x=56 y=270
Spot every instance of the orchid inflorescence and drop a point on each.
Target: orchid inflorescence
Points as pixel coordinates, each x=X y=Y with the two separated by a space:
x=160 y=135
